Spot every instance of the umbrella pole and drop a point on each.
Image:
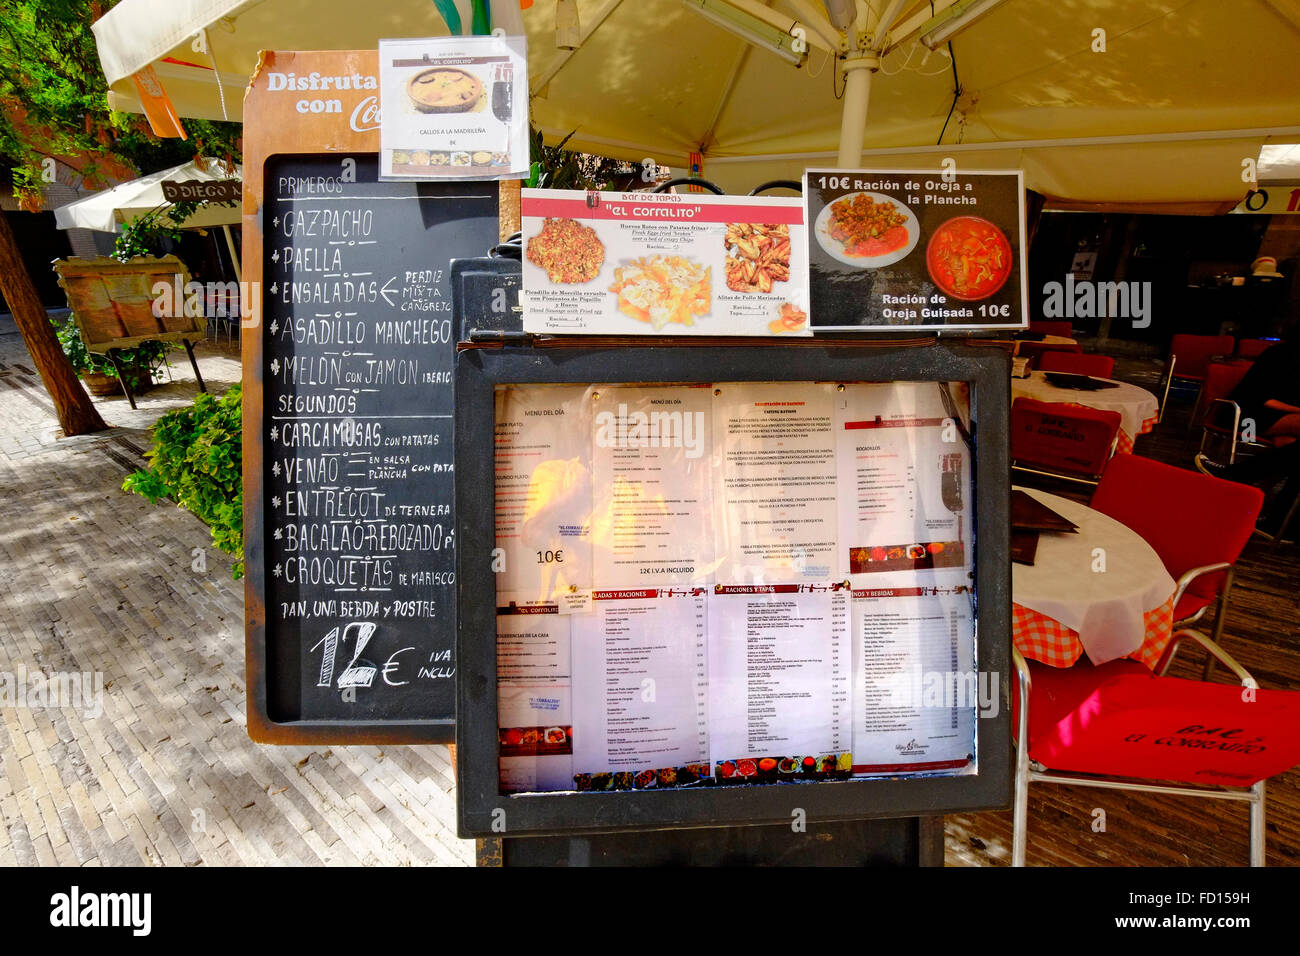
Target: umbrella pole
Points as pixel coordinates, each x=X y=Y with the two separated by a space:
x=234 y=256
x=857 y=96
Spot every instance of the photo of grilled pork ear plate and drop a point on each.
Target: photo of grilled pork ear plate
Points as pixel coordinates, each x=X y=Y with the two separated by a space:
x=444 y=89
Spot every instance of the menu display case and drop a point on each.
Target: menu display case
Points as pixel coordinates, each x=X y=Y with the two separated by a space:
x=706 y=586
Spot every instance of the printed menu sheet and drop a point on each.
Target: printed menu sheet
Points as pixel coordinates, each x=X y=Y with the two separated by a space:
x=774 y=482
x=904 y=463
x=543 y=490
x=663 y=264
x=915 y=686
x=534 y=697
x=639 y=662
x=779 y=672
x=651 y=480
x=687 y=596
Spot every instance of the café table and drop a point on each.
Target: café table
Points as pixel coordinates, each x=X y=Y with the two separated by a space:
x=1138 y=409
x=1101 y=591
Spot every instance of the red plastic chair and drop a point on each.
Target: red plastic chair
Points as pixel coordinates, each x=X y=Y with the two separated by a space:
x=1189 y=359
x=1048 y=327
x=1036 y=349
x=1102 y=366
x=1120 y=720
x=1197 y=524
x=1254 y=348
x=1218 y=414
x=1061 y=440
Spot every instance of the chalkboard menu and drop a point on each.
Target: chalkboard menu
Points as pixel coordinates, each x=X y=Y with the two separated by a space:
x=358 y=346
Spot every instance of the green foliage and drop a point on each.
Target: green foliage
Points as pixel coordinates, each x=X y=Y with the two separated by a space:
x=197 y=461
x=54 y=102
x=143 y=235
x=564 y=169
x=141 y=363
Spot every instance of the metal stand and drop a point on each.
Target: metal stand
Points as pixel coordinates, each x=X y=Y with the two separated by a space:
x=121 y=376
x=194 y=364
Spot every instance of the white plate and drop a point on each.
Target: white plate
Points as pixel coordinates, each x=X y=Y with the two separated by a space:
x=835 y=249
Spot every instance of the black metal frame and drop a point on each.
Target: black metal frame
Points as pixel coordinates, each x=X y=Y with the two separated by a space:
x=479 y=370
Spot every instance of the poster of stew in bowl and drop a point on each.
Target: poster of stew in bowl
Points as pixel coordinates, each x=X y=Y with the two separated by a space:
x=916 y=249
x=453 y=108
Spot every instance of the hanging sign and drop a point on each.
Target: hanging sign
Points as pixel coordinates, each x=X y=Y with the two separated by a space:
x=454 y=108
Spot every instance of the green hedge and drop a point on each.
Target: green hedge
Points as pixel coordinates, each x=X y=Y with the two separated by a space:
x=196 y=461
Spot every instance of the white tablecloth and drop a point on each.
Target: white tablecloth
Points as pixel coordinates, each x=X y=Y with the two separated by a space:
x=1135 y=405
x=1105 y=607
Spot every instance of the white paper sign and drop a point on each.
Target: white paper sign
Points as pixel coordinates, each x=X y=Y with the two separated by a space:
x=453 y=108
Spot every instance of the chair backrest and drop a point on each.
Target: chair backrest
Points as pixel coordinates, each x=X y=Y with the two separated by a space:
x=1102 y=366
x=1058 y=436
x=1048 y=327
x=1220 y=379
x=1189 y=519
x=1254 y=348
x=1035 y=349
x=1195 y=351
x=1116 y=722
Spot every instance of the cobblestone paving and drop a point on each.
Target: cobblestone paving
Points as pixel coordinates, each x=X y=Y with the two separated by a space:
x=160 y=770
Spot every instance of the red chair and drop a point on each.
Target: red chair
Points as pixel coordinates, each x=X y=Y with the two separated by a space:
x=1061 y=440
x=1218 y=414
x=1047 y=327
x=1189 y=359
x=1197 y=524
x=1102 y=366
x=1035 y=349
x=1254 y=348
x=1120 y=720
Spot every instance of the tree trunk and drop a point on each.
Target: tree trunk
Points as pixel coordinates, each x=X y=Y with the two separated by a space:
x=77 y=414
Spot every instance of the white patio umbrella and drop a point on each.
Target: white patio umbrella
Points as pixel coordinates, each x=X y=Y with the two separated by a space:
x=1150 y=104
x=109 y=210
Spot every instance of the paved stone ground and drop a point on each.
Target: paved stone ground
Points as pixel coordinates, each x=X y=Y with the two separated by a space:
x=98 y=581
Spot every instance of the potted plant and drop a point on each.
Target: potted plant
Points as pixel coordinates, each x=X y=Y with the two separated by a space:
x=140 y=365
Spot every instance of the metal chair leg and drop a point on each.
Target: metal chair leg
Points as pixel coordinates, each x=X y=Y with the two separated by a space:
x=1164 y=399
x=1257 y=808
x=1220 y=620
x=1020 y=808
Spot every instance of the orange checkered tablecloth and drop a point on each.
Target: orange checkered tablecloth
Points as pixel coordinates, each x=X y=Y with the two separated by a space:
x=1047 y=640
x=1124 y=444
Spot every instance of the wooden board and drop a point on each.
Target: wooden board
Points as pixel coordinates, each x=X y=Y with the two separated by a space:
x=118 y=305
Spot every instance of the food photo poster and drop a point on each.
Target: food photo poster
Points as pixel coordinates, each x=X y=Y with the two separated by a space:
x=607 y=263
x=453 y=108
x=916 y=249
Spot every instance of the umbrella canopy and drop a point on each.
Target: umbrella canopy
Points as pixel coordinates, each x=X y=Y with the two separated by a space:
x=1153 y=104
x=108 y=210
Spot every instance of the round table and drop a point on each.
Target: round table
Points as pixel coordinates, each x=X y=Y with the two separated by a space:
x=1138 y=408
x=1102 y=591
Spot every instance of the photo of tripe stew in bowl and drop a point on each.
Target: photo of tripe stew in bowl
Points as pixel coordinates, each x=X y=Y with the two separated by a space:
x=444 y=89
x=969 y=258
